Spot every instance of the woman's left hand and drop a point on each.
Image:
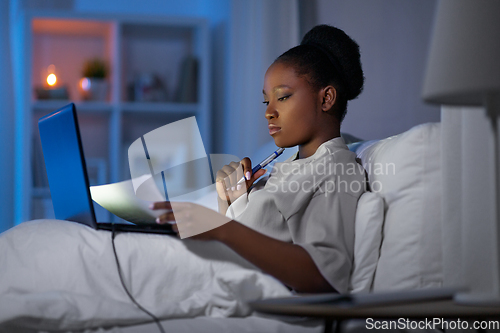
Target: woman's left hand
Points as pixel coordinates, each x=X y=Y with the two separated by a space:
x=191 y=220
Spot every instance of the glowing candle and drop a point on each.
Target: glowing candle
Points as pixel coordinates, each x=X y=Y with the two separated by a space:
x=51 y=79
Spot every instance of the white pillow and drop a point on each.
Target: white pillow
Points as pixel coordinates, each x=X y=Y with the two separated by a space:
x=406 y=171
x=367 y=240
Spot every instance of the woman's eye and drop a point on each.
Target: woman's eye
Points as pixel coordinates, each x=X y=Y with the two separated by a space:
x=284 y=98
x=266 y=102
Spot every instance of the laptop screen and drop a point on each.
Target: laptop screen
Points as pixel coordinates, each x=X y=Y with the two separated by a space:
x=65 y=164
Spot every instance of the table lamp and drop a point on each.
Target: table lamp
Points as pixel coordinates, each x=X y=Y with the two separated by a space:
x=463 y=67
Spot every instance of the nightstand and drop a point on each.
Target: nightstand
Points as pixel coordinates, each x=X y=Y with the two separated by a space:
x=411 y=305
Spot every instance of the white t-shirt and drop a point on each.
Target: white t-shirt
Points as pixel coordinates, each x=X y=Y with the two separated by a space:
x=311 y=202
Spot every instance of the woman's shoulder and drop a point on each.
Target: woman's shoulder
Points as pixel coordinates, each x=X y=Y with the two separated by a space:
x=337 y=153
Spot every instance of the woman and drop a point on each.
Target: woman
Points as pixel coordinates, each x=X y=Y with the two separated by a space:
x=303 y=235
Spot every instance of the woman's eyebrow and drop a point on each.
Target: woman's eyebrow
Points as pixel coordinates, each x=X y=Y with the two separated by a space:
x=276 y=88
x=280 y=87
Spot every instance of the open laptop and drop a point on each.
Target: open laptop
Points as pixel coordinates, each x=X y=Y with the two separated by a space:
x=67 y=174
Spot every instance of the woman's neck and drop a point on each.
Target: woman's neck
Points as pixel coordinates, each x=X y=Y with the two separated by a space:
x=310 y=148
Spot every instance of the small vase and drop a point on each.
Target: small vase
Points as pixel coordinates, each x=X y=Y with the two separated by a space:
x=93 y=89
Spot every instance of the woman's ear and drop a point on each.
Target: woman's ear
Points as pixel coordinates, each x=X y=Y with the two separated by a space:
x=329 y=96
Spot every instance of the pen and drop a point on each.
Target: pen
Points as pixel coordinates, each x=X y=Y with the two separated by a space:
x=264 y=163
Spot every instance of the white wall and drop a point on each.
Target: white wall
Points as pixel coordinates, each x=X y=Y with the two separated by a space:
x=393 y=36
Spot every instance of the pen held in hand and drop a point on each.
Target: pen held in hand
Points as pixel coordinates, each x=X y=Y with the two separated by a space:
x=264 y=163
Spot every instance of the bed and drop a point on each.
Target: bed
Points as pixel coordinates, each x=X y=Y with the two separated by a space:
x=54 y=283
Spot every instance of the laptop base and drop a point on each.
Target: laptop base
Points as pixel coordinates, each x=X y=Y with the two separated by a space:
x=144 y=228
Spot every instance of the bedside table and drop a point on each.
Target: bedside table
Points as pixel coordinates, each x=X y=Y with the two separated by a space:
x=418 y=304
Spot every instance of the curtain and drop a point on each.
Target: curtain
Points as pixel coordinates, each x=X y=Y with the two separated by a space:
x=471 y=239
x=259 y=31
x=6 y=123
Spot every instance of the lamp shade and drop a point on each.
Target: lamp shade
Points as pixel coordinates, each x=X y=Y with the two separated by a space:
x=464 y=58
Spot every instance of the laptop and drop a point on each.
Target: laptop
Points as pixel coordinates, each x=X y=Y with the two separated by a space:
x=67 y=174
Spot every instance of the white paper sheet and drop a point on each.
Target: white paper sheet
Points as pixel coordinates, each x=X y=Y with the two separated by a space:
x=121 y=200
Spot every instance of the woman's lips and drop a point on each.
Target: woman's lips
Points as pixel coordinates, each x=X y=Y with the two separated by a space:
x=273 y=129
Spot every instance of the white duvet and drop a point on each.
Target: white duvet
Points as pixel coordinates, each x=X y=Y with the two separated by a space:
x=59 y=275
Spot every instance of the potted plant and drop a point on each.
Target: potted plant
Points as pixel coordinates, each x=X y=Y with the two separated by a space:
x=93 y=85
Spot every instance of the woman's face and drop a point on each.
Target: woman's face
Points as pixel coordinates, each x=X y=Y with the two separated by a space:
x=293 y=108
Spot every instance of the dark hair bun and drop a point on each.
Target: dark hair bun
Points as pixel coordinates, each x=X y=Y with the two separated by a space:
x=346 y=52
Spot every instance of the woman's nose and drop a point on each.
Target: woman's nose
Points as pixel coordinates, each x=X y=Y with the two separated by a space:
x=271 y=113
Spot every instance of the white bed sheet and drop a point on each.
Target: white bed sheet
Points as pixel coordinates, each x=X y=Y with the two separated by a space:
x=59 y=275
x=251 y=324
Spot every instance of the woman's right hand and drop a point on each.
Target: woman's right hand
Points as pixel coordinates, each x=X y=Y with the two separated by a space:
x=227 y=179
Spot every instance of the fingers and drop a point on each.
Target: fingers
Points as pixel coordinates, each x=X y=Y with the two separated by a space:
x=256 y=176
x=220 y=187
x=160 y=205
x=182 y=211
x=181 y=208
x=167 y=218
x=226 y=171
x=192 y=219
x=236 y=175
x=227 y=180
x=233 y=172
x=247 y=168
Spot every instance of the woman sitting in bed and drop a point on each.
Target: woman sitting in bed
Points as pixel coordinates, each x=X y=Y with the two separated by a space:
x=299 y=227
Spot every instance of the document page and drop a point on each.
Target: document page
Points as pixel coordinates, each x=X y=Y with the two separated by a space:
x=120 y=199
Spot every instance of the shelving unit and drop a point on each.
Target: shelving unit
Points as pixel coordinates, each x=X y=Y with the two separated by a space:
x=133 y=47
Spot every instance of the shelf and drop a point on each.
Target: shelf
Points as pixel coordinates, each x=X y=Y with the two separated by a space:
x=153 y=55
x=68 y=44
x=47 y=105
x=71 y=27
x=159 y=107
x=175 y=52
